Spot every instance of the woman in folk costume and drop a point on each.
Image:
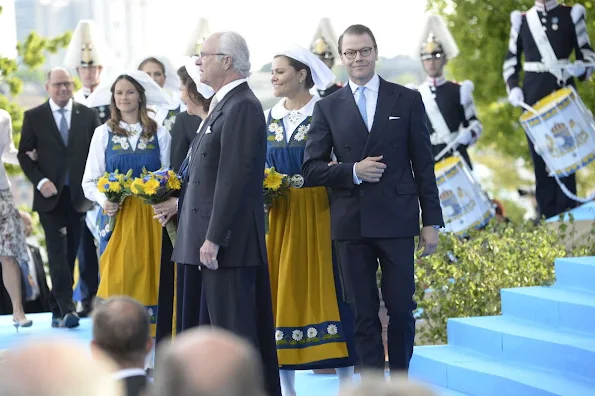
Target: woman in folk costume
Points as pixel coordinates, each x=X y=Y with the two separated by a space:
x=180 y=294
x=163 y=73
x=131 y=252
x=314 y=328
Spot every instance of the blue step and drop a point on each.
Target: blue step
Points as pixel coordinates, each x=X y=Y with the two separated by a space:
x=525 y=343
x=481 y=375
x=576 y=272
x=553 y=306
x=585 y=212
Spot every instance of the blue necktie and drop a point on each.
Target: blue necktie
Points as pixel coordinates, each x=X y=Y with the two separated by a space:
x=64 y=132
x=361 y=105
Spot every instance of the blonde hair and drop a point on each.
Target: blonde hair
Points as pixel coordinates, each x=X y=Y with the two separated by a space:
x=149 y=125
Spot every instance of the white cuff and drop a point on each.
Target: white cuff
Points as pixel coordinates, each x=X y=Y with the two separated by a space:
x=41 y=183
x=101 y=199
x=356 y=179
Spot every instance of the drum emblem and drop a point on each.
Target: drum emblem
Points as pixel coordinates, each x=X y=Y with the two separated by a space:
x=562 y=140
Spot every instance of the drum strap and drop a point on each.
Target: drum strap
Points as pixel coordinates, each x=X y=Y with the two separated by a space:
x=544 y=46
x=442 y=132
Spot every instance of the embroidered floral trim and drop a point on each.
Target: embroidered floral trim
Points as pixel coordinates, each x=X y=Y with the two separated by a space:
x=120 y=142
x=143 y=143
x=302 y=133
x=278 y=130
x=291 y=337
x=168 y=123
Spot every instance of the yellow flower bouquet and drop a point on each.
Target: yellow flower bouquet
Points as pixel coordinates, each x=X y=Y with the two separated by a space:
x=116 y=187
x=156 y=187
x=275 y=185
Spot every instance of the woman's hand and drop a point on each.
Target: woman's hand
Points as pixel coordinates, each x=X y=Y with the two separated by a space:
x=164 y=211
x=111 y=208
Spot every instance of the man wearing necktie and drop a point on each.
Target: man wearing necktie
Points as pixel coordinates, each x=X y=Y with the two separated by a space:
x=60 y=130
x=384 y=171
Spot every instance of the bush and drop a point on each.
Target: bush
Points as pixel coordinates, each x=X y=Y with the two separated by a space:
x=466 y=275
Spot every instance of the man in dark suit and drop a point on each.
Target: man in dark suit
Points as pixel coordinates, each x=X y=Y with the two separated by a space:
x=221 y=222
x=60 y=131
x=121 y=329
x=385 y=170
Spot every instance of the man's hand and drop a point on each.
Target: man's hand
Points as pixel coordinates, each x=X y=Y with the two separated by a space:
x=48 y=189
x=164 y=211
x=428 y=241
x=32 y=155
x=370 y=169
x=111 y=208
x=208 y=255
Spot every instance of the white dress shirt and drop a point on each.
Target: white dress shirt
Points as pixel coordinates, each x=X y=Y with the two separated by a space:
x=127 y=373
x=8 y=151
x=58 y=118
x=371 y=94
x=291 y=118
x=56 y=112
x=95 y=167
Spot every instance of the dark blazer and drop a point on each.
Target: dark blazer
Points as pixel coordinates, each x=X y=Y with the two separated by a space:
x=55 y=158
x=389 y=208
x=135 y=385
x=182 y=133
x=223 y=198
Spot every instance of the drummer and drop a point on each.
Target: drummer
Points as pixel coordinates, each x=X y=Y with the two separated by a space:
x=449 y=106
x=566 y=32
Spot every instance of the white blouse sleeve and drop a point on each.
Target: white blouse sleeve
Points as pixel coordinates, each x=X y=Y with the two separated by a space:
x=8 y=151
x=95 y=167
x=164 y=138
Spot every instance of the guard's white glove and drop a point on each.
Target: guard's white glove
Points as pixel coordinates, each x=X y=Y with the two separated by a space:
x=464 y=136
x=516 y=97
x=576 y=69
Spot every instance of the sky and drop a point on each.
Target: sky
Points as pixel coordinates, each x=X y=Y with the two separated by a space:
x=269 y=25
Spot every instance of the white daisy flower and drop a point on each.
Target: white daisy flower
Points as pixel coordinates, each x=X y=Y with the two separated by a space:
x=332 y=329
x=297 y=335
x=312 y=332
x=142 y=145
x=279 y=335
x=273 y=127
x=279 y=137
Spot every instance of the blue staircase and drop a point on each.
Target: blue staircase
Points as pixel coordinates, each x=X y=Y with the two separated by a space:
x=543 y=344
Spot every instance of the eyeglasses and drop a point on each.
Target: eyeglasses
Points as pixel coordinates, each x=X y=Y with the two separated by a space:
x=205 y=54
x=352 y=54
x=66 y=84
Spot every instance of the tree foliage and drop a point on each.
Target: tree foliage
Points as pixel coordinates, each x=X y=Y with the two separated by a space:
x=32 y=54
x=481 y=29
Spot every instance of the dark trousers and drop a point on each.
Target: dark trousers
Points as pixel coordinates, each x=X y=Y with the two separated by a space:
x=88 y=267
x=551 y=200
x=239 y=300
x=62 y=228
x=359 y=264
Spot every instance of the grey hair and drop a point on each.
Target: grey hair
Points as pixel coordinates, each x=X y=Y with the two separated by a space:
x=234 y=45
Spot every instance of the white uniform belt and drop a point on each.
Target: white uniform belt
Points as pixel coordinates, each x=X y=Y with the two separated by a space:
x=538 y=67
x=436 y=140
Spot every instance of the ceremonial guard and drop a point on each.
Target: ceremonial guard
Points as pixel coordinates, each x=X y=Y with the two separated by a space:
x=547 y=34
x=324 y=45
x=449 y=105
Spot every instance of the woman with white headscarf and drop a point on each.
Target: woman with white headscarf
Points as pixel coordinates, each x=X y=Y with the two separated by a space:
x=314 y=328
x=161 y=70
x=179 y=284
x=130 y=253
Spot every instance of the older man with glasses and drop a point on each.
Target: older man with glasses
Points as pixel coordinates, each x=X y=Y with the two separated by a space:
x=60 y=131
